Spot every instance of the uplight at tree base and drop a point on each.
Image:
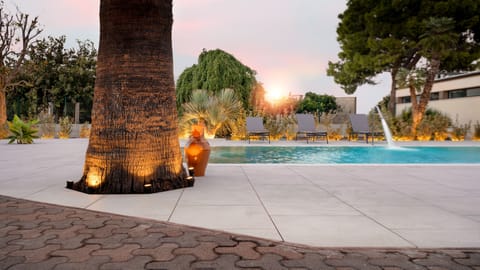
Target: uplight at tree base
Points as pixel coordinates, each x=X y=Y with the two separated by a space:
x=94 y=177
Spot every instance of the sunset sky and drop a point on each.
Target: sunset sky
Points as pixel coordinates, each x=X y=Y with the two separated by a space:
x=288 y=43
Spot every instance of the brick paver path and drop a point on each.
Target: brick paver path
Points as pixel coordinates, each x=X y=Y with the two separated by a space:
x=42 y=236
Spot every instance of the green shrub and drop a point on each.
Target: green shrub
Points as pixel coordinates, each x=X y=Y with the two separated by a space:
x=22 y=132
x=280 y=126
x=460 y=131
x=334 y=134
x=434 y=126
x=65 y=127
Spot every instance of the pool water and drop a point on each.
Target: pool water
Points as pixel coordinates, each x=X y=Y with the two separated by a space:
x=344 y=155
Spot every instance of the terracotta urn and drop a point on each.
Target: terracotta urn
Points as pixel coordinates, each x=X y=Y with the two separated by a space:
x=197 y=151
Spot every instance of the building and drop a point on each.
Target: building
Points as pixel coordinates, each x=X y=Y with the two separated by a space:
x=457 y=96
x=347 y=105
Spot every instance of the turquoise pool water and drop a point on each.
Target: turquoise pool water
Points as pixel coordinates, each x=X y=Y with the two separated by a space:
x=344 y=155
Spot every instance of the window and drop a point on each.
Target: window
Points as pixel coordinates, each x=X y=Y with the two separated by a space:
x=472 y=92
x=434 y=96
x=457 y=93
x=406 y=99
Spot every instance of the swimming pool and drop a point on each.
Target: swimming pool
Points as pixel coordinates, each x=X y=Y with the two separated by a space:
x=344 y=155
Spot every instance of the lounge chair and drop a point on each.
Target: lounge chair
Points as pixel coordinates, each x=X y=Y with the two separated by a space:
x=360 y=126
x=306 y=128
x=256 y=129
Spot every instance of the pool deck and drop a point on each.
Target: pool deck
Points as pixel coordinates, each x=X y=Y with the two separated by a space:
x=380 y=206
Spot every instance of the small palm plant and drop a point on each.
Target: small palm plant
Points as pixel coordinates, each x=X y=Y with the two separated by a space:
x=214 y=111
x=22 y=132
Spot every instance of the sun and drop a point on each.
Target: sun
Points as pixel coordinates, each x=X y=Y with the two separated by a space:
x=274 y=94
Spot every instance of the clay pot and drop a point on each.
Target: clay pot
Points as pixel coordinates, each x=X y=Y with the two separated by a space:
x=197 y=151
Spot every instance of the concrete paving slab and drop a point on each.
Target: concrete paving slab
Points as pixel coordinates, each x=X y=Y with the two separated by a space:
x=273 y=175
x=153 y=206
x=429 y=191
x=465 y=205
x=476 y=218
x=286 y=194
x=271 y=233
x=58 y=194
x=451 y=238
x=219 y=197
x=417 y=217
x=326 y=206
x=227 y=217
x=337 y=231
x=354 y=205
x=372 y=196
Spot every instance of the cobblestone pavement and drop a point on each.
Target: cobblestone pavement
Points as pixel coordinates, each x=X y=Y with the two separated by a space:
x=42 y=236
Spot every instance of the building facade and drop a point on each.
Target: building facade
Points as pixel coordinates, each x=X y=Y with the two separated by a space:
x=456 y=96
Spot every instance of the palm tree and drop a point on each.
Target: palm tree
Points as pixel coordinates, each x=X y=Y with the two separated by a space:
x=134 y=145
x=220 y=110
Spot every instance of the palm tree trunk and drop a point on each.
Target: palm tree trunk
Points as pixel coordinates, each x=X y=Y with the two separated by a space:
x=134 y=145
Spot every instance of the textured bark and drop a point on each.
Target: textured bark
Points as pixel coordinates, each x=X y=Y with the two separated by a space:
x=3 y=96
x=419 y=108
x=393 y=92
x=3 y=107
x=134 y=136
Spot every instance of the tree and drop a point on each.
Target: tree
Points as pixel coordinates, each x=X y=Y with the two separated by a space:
x=54 y=74
x=317 y=104
x=371 y=34
x=216 y=70
x=257 y=97
x=17 y=34
x=438 y=40
x=386 y=36
x=77 y=76
x=133 y=146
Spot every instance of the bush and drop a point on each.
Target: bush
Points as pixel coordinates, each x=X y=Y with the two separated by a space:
x=65 y=127
x=334 y=134
x=281 y=126
x=47 y=125
x=476 y=132
x=460 y=131
x=22 y=132
x=85 y=130
x=434 y=126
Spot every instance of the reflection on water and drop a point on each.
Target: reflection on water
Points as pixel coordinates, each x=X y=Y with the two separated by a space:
x=358 y=155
